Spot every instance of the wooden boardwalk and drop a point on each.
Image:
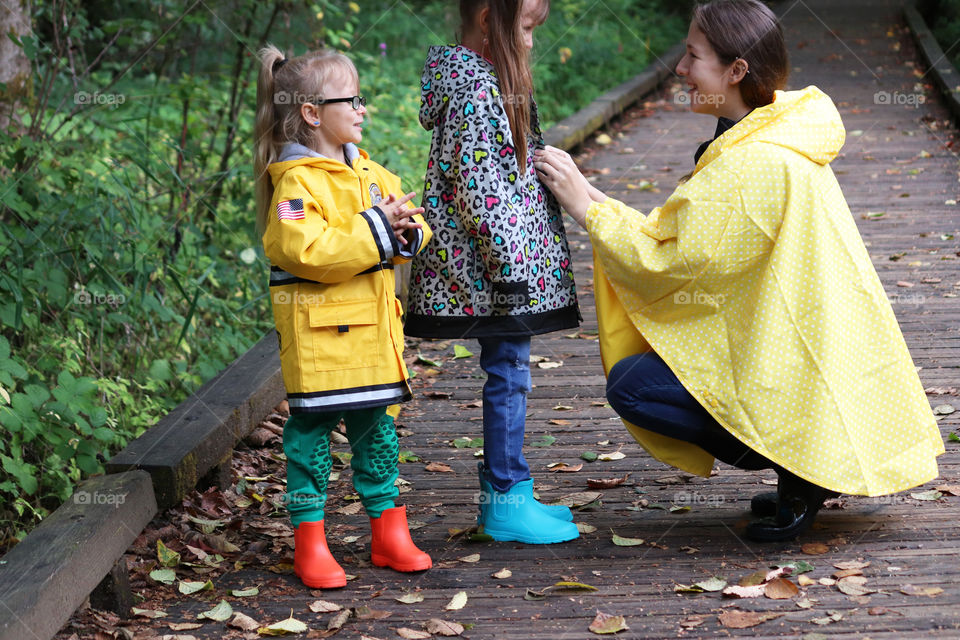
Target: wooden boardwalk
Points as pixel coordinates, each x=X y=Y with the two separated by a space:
x=901 y=181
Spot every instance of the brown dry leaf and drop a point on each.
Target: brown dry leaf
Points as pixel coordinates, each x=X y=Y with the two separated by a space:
x=339 y=620
x=735 y=619
x=852 y=564
x=846 y=573
x=879 y=611
x=322 y=606
x=439 y=467
x=605 y=623
x=366 y=613
x=949 y=489
x=243 y=621
x=413 y=634
x=473 y=557
x=502 y=574
x=755 y=578
x=351 y=509
x=780 y=589
x=439 y=395
x=814 y=548
x=804 y=581
x=476 y=404
x=911 y=590
x=606 y=483
x=185 y=626
x=691 y=622
x=558 y=422
x=563 y=467
x=579 y=499
x=854 y=586
x=440 y=627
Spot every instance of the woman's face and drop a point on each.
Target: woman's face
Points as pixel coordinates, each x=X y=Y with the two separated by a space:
x=708 y=79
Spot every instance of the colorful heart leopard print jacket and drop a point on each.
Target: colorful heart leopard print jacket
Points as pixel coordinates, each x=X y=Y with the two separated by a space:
x=499 y=263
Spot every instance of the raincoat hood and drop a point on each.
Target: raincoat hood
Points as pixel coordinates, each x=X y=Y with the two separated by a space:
x=294 y=154
x=449 y=70
x=804 y=121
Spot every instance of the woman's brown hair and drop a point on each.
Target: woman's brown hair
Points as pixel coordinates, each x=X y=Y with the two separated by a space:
x=747 y=29
x=511 y=60
x=282 y=87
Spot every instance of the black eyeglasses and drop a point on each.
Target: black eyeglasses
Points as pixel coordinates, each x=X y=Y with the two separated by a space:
x=355 y=101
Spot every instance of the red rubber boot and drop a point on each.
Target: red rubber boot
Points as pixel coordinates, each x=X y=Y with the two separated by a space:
x=391 y=545
x=312 y=560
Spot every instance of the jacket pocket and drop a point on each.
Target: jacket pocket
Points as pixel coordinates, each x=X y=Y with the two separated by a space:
x=345 y=335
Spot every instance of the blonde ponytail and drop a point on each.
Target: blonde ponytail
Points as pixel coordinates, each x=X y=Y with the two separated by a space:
x=264 y=148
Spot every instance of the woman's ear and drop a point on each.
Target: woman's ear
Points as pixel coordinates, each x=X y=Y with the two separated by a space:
x=310 y=113
x=738 y=70
x=483 y=21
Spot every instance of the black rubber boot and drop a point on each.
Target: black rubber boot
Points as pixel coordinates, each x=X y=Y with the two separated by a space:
x=798 y=502
x=764 y=505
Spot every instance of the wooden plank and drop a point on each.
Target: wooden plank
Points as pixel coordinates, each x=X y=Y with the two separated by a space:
x=51 y=571
x=201 y=431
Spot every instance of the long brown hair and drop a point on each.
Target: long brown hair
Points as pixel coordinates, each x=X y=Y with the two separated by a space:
x=284 y=85
x=747 y=29
x=510 y=59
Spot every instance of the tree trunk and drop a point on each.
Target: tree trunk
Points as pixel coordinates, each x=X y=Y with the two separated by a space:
x=14 y=65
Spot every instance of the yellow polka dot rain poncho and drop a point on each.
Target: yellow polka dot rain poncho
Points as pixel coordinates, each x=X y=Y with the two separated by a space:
x=753 y=284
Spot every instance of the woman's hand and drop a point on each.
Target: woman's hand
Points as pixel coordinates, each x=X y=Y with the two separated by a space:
x=559 y=173
x=399 y=215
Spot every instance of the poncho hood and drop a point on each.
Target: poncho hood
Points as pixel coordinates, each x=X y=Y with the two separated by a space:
x=804 y=121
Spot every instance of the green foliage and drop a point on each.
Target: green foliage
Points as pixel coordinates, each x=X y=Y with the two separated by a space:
x=943 y=17
x=130 y=271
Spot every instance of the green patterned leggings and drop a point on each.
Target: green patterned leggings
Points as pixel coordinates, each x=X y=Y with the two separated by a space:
x=306 y=443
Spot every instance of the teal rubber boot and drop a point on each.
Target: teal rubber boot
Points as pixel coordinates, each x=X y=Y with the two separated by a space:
x=557 y=511
x=515 y=515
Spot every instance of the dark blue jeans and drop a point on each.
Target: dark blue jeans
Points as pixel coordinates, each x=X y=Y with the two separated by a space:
x=506 y=362
x=643 y=390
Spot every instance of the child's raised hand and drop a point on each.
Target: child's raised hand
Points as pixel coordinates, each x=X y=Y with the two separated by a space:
x=399 y=215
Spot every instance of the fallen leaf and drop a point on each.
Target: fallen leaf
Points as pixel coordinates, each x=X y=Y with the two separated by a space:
x=851 y=564
x=579 y=498
x=148 y=613
x=583 y=527
x=244 y=593
x=603 y=140
x=459 y=351
x=440 y=627
x=243 y=621
x=949 y=489
x=846 y=573
x=606 y=483
x=544 y=441
x=339 y=620
x=364 y=612
x=711 y=584
x=589 y=456
x=780 y=589
x=473 y=557
x=439 y=467
x=567 y=585
x=560 y=422
x=410 y=598
x=854 y=586
x=943 y=410
x=187 y=587
x=794 y=568
x=605 y=623
x=221 y=613
x=322 y=606
x=563 y=467
x=804 y=581
x=165 y=576
x=413 y=634
x=735 y=619
x=185 y=626
x=616 y=455
x=165 y=556
x=749 y=591
x=458 y=601
x=502 y=574
x=626 y=542
x=549 y=365
x=930 y=495
x=834 y=616
x=814 y=548
x=911 y=590
x=282 y=628
x=691 y=622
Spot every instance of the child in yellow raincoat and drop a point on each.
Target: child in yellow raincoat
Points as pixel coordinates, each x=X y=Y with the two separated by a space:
x=743 y=319
x=333 y=231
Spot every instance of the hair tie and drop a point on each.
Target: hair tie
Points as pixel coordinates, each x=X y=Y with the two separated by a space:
x=278 y=63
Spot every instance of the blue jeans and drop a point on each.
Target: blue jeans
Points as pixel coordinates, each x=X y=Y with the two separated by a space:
x=643 y=390
x=506 y=361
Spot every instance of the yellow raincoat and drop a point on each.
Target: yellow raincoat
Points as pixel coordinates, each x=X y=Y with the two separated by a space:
x=754 y=286
x=332 y=254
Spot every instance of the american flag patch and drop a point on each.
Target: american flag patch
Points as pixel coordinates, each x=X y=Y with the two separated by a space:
x=290 y=209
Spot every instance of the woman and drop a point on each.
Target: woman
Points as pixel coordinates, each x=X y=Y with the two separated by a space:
x=743 y=319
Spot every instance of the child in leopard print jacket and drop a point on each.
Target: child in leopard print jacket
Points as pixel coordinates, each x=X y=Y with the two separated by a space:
x=498 y=269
